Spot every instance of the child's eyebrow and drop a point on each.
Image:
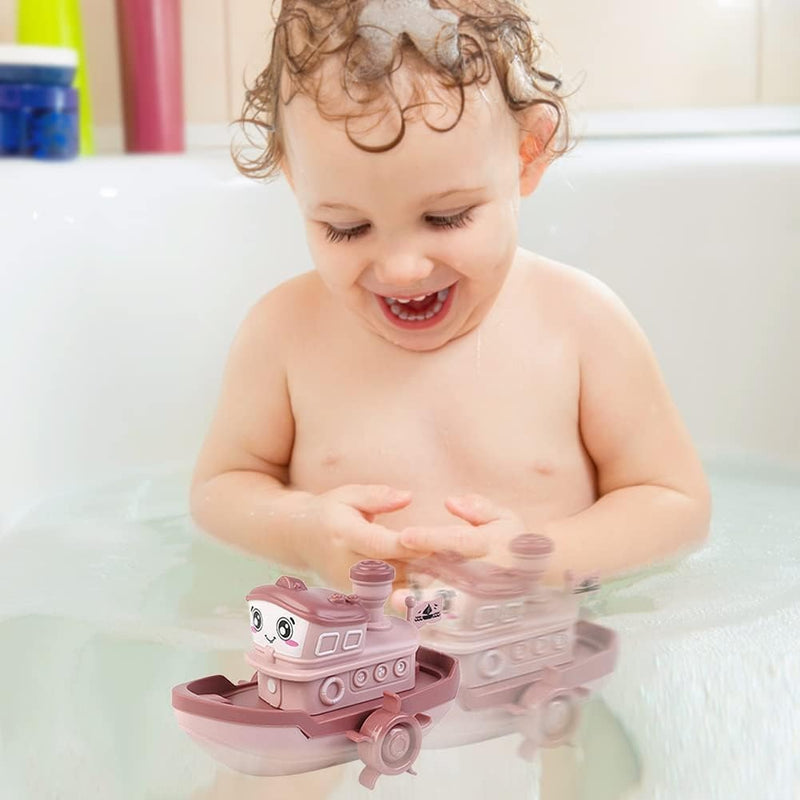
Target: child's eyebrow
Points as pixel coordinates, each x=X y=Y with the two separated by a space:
x=441 y=195
x=425 y=200
x=334 y=207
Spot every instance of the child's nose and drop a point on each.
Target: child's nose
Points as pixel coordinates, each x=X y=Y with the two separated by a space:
x=402 y=268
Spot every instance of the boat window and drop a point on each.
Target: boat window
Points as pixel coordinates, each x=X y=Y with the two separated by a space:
x=511 y=611
x=327 y=643
x=352 y=640
x=486 y=615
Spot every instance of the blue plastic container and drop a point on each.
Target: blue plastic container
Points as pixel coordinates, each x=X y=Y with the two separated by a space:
x=38 y=107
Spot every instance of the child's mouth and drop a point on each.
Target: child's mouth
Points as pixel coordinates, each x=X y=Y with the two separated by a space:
x=419 y=312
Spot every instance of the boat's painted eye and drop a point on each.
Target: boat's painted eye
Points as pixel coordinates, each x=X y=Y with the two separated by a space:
x=258 y=621
x=285 y=628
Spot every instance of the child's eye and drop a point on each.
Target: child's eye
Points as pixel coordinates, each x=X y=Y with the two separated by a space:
x=459 y=220
x=344 y=234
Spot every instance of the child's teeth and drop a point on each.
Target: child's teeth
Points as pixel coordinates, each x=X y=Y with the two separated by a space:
x=441 y=296
x=398 y=306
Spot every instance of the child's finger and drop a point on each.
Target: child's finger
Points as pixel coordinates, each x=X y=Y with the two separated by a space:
x=376 y=541
x=372 y=498
x=420 y=580
x=397 y=601
x=458 y=538
x=474 y=508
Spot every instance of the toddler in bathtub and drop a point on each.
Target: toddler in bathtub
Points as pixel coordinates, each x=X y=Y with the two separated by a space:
x=430 y=385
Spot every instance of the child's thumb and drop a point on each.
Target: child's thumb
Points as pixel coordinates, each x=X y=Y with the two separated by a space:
x=474 y=508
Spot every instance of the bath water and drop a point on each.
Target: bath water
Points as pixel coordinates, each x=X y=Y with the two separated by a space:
x=109 y=596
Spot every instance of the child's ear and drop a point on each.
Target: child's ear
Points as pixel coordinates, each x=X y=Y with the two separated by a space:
x=538 y=124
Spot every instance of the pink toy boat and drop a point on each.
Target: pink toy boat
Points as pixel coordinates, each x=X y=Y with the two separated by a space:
x=527 y=660
x=335 y=680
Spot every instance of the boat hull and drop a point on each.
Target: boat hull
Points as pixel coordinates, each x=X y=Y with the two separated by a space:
x=505 y=707
x=236 y=727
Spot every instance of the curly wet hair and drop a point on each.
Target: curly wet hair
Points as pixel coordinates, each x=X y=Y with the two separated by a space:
x=495 y=38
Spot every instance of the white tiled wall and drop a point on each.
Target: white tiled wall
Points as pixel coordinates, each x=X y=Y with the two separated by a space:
x=100 y=41
x=779 y=80
x=6 y=20
x=205 y=60
x=655 y=54
x=249 y=24
x=623 y=53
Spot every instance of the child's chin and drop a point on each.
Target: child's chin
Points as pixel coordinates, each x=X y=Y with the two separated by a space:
x=416 y=346
x=424 y=341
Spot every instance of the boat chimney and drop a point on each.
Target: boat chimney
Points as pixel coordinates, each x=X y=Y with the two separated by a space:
x=372 y=582
x=530 y=554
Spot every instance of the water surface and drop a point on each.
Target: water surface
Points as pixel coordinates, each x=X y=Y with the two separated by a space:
x=110 y=596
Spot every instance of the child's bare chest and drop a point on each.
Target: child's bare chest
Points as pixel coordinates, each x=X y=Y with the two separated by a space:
x=486 y=415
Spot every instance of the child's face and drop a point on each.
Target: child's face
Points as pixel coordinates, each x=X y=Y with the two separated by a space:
x=435 y=216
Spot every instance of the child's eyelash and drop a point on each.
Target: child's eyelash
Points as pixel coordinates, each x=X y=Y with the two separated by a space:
x=341 y=235
x=452 y=220
x=459 y=220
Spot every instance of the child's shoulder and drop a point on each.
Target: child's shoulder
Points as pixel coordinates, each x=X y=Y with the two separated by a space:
x=301 y=289
x=291 y=304
x=551 y=278
x=573 y=295
x=281 y=320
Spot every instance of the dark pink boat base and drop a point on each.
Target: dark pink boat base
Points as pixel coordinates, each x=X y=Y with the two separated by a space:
x=215 y=697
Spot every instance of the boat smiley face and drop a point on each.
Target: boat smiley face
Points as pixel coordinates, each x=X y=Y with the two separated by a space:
x=275 y=627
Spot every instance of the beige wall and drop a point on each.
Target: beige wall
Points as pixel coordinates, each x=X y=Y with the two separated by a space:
x=624 y=53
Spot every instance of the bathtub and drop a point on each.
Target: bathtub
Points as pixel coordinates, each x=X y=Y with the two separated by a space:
x=123 y=281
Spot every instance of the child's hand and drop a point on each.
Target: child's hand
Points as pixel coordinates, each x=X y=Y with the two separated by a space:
x=491 y=528
x=347 y=533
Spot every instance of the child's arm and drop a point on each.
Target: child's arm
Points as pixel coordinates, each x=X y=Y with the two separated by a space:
x=653 y=496
x=240 y=490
